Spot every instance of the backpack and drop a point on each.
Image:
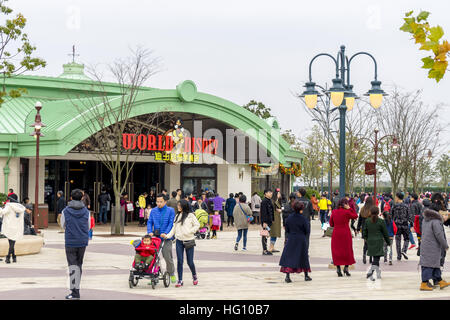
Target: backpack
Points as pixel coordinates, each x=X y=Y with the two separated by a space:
x=387 y=206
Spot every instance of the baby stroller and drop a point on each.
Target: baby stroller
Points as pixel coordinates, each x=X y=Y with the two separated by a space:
x=150 y=271
x=203 y=219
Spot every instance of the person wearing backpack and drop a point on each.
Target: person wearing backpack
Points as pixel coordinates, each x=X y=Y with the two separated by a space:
x=242 y=216
x=402 y=218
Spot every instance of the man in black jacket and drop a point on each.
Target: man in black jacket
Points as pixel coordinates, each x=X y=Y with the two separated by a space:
x=402 y=218
x=267 y=217
x=103 y=200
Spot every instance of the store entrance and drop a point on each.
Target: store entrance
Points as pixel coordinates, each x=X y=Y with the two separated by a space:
x=92 y=176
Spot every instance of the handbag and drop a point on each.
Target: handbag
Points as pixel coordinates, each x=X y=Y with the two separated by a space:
x=264 y=233
x=141 y=213
x=189 y=244
x=329 y=232
x=130 y=206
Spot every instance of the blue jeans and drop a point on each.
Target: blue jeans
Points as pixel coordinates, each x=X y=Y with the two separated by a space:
x=90 y=234
x=240 y=232
x=273 y=240
x=411 y=237
x=431 y=274
x=180 y=255
x=102 y=217
x=323 y=216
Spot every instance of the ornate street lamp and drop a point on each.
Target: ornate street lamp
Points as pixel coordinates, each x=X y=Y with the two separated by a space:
x=37 y=125
x=342 y=96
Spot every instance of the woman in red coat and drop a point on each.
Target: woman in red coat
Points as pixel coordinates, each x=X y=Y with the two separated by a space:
x=341 y=240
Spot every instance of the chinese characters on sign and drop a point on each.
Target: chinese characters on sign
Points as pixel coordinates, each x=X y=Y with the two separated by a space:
x=172 y=157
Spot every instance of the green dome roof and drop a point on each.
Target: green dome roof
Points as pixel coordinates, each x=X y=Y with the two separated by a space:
x=74 y=71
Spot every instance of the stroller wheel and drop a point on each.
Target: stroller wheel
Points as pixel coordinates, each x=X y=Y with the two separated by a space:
x=203 y=236
x=166 y=279
x=132 y=281
x=153 y=284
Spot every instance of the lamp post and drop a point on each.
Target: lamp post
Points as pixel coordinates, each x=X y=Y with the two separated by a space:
x=37 y=125
x=343 y=97
x=375 y=148
x=321 y=185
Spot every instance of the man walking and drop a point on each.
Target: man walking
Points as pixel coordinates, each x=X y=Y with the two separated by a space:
x=75 y=220
x=267 y=217
x=160 y=223
x=103 y=199
x=402 y=218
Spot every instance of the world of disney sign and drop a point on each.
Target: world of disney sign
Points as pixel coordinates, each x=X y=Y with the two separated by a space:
x=168 y=147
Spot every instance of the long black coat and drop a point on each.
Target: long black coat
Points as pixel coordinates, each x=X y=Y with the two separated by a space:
x=267 y=215
x=295 y=253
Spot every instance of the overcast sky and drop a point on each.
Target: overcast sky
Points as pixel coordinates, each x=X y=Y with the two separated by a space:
x=242 y=50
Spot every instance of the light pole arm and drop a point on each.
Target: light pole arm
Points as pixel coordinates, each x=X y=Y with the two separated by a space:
x=355 y=55
x=386 y=136
x=322 y=54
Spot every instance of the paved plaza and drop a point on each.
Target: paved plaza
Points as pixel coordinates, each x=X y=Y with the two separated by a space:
x=223 y=273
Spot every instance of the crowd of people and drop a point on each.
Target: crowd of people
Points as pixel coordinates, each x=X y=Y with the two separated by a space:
x=179 y=218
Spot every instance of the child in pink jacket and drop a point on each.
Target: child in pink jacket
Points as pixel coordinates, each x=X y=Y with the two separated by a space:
x=216 y=223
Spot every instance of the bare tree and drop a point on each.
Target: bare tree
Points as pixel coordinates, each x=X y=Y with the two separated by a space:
x=416 y=127
x=107 y=118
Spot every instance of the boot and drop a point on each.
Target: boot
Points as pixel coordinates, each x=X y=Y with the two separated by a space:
x=338 y=270
x=370 y=273
x=426 y=286
x=346 y=271
x=14 y=258
x=377 y=269
x=288 y=278
x=443 y=284
x=307 y=278
x=7 y=259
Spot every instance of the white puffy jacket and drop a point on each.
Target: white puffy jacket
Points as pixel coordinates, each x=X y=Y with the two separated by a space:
x=12 y=226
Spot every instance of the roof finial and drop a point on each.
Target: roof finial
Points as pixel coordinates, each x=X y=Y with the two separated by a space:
x=73 y=54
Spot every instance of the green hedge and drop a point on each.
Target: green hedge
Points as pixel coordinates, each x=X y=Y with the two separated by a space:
x=3 y=197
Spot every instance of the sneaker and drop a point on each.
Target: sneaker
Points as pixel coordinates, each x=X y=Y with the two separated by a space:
x=173 y=279
x=73 y=295
x=179 y=284
x=267 y=253
x=404 y=255
x=236 y=247
x=412 y=246
x=244 y=249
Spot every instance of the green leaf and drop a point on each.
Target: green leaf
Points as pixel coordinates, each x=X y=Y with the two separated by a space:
x=428 y=62
x=436 y=33
x=436 y=74
x=423 y=16
x=429 y=45
x=406 y=27
x=409 y=13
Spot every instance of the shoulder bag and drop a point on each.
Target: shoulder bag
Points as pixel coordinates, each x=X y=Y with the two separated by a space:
x=249 y=218
x=189 y=244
